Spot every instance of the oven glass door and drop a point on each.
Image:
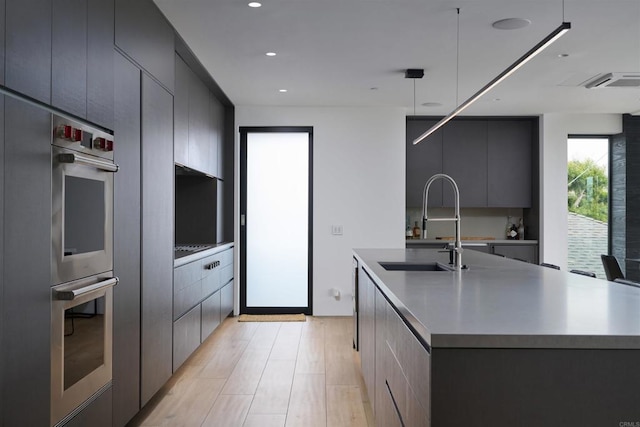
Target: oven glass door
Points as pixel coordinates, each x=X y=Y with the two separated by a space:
x=81 y=342
x=82 y=212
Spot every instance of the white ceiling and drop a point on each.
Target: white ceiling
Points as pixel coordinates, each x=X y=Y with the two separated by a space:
x=333 y=52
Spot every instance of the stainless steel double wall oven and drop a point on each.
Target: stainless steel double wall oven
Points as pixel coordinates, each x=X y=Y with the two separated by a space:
x=81 y=266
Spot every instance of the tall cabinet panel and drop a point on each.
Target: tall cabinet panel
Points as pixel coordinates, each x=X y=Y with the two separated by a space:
x=28 y=47
x=1 y=253
x=145 y=35
x=465 y=160
x=423 y=161
x=69 y=60
x=181 y=113
x=509 y=163
x=126 y=241
x=27 y=289
x=216 y=113
x=198 y=124
x=100 y=57
x=157 y=237
x=2 y=10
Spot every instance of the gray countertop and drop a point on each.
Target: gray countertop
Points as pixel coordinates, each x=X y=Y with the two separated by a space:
x=503 y=303
x=418 y=242
x=214 y=249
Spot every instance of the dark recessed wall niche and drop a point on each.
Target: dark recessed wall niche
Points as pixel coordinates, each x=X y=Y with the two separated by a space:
x=195 y=210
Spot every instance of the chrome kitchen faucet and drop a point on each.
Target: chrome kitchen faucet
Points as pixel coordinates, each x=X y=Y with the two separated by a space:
x=457 y=249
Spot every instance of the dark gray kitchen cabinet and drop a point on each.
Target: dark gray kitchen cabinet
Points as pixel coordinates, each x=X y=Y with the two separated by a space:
x=157 y=237
x=69 y=59
x=187 y=287
x=2 y=37
x=509 y=163
x=28 y=47
x=100 y=62
x=367 y=333
x=181 y=113
x=211 y=315
x=521 y=252
x=145 y=35
x=199 y=126
x=186 y=336
x=26 y=307
x=423 y=161
x=1 y=254
x=97 y=413
x=126 y=243
x=464 y=157
x=220 y=212
x=226 y=300
x=216 y=119
x=82 y=63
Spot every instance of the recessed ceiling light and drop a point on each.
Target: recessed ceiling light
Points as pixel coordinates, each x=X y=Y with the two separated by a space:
x=270 y=54
x=282 y=90
x=511 y=24
x=563 y=55
x=373 y=88
x=255 y=4
x=431 y=104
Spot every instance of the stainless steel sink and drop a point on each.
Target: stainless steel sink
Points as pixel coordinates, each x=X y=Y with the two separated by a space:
x=414 y=266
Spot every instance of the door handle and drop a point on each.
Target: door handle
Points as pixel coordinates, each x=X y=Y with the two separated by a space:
x=71 y=294
x=242 y=220
x=87 y=161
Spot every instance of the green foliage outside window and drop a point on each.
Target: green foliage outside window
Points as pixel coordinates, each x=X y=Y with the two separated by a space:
x=588 y=187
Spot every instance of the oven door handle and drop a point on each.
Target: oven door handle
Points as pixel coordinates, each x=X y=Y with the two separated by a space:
x=76 y=158
x=70 y=295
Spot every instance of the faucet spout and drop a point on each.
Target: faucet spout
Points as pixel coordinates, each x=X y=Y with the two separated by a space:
x=457 y=248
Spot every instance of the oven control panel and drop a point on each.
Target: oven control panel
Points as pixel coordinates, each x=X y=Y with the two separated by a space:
x=81 y=137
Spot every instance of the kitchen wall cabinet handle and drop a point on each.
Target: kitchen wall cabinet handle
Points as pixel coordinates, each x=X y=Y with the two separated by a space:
x=76 y=158
x=71 y=294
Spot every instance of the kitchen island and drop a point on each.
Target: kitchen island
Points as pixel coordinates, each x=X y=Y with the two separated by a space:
x=500 y=343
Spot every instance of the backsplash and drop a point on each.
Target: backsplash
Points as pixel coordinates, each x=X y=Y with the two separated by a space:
x=476 y=222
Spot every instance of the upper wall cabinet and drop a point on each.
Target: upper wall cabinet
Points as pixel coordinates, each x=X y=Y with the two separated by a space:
x=28 y=47
x=198 y=118
x=490 y=160
x=509 y=163
x=100 y=63
x=144 y=34
x=464 y=158
x=423 y=161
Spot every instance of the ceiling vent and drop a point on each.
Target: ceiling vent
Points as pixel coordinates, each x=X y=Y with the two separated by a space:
x=631 y=80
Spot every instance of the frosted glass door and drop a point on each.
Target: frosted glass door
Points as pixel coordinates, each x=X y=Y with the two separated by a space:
x=277 y=220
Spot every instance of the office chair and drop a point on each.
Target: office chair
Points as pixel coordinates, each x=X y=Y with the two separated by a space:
x=546 y=264
x=582 y=272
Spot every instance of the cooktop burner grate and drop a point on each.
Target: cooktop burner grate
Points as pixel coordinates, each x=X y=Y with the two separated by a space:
x=191 y=248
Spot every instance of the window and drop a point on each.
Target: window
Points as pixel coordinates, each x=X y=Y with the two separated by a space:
x=588 y=202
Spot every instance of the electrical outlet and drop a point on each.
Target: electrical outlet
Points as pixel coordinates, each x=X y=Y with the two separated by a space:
x=336 y=230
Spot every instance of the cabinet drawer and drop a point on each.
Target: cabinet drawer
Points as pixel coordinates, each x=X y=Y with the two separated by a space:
x=227 y=257
x=211 y=265
x=186 y=275
x=226 y=274
x=186 y=336
x=210 y=315
x=226 y=300
x=411 y=355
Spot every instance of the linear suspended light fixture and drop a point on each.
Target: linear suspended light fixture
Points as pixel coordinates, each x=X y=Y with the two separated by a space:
x=546 y=42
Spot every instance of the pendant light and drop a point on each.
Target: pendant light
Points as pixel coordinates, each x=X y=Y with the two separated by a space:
x=543 y=44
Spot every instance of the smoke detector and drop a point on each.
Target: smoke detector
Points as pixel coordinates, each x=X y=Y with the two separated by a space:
x=629 y=80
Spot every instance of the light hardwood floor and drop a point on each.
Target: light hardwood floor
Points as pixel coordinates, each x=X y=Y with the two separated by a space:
x=280 y=374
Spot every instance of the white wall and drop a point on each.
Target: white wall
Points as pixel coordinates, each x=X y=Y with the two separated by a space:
x=554 y=130
x=359 y=183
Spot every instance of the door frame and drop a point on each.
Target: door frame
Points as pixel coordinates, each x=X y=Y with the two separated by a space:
x=244 y=130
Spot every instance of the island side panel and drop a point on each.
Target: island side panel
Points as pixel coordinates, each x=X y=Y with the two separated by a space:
x=535 y=387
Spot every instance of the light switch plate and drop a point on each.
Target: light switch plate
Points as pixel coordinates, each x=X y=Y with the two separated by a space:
x=336 y=230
